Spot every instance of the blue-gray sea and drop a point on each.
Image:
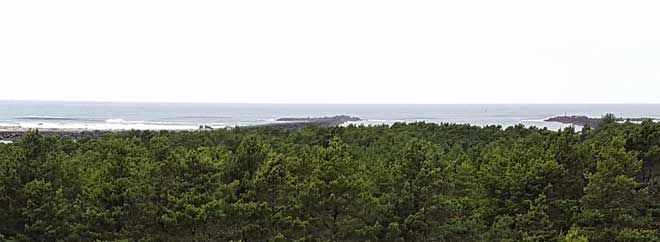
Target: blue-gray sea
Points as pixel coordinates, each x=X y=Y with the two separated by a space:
x=189 y=116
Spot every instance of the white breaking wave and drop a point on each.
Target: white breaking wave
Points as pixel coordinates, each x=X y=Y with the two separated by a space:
x=126 y=122
x=368 y=122
x=116 y=125
x=533 y=120
x=115 y=120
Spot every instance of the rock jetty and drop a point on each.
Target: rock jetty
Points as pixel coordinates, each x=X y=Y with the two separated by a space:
x=591 y=122
x=576 y=120
x=298 y=123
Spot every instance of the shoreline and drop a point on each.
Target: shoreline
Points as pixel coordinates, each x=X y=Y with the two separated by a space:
x=12 y=133
x=51 y=130
x=15 y=133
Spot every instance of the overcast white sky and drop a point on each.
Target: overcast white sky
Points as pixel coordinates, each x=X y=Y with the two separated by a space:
x=339 y=51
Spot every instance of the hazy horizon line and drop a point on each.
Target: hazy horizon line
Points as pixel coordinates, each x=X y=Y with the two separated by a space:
x=328 y=103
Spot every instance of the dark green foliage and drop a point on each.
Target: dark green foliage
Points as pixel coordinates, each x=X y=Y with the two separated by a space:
x=608 y=119
x=406 y=182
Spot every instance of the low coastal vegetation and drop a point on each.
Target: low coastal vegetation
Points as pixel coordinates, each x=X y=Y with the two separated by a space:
x=405 y=182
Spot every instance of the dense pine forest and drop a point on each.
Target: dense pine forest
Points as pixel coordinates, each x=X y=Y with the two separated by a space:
x=405 y=182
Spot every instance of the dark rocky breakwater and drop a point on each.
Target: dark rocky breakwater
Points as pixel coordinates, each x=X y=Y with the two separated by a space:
x=298 y=123
x=592 y=122
x=576 y=120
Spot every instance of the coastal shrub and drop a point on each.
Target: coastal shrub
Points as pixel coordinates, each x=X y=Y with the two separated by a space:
x=405 y=182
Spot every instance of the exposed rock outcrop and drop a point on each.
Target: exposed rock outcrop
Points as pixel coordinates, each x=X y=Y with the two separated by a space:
x=298 y=123
x=591 y=122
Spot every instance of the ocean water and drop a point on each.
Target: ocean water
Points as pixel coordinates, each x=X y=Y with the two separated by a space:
x=189 y=116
